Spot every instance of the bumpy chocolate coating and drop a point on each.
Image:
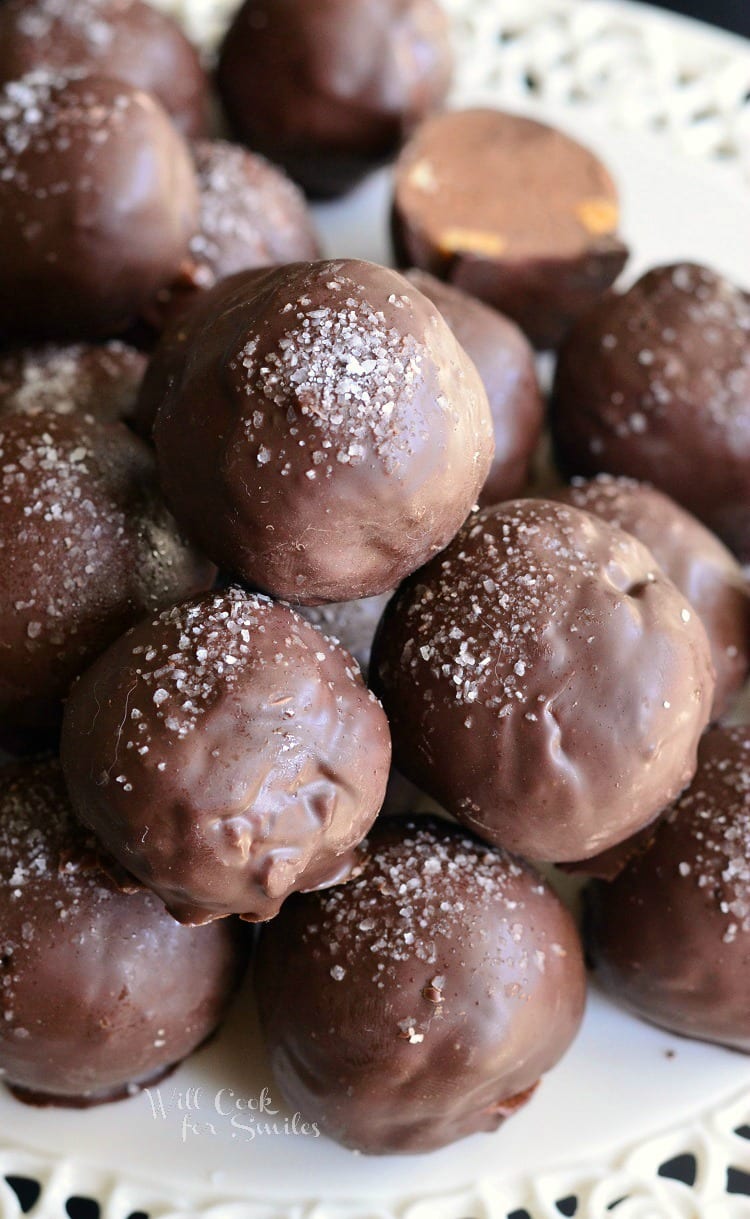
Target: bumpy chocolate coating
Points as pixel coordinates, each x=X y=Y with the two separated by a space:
x=671 y=936
x=251 y=215
x=98 y=202
x=505 y=362
x=87 y=546
x=322 y=433
x=544 y=680
x=423 y=1001
x=330 y=90
x=124 y=39
x=101 y=990
x=227 y=754
x=100 y=380
x=655 y=384
x=693 y=558
x=512 y=211
x=352 y=623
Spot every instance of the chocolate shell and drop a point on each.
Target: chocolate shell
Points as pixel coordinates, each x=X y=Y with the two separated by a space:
x=227 y=754
x=331 y=90
x=319 y=432
x=436 y=988
x=544 y=681
x=124 y=39
x=98 y=202
x=101 y=991
x=654 y=384
x=670 y=937
x=513 y=212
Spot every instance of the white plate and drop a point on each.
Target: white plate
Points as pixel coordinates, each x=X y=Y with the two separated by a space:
x=622 y=1082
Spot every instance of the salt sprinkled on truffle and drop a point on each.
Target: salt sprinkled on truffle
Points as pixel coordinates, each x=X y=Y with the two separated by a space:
x=89 y=527
x=703 y=304
x=247 y=204
x=90 y=19
x=715 y=813
x=37 y=835
x=64 y=379
x=469 y=628
x=52 y=474
x=36 y=113
x=348 y=373
x=409 y=895
x=198 y=660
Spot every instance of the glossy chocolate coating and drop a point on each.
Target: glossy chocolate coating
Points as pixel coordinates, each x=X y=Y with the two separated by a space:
x=124 y=39
x=95 y=379
x=423 y=1001
x=671 y=936
x=87 y=546
x=655 y=384
x=544 y=681
x=331 y=90
x=251 y=215
x=320 y=431
x=352 y=623
x=98 y=202
x=101 y=990
x=693 y=558
x=505 y=362
x=227 y=754
x=512 y=211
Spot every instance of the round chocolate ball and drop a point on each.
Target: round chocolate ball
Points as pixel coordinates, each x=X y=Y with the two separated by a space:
x=98 y=202
x=124 y=39
x=96 y=379
x=321 y=433
x=331 y=90
x=654 y=383
x=505 y=362
x=512 y=211
x=351 y=623
x=545 y=682
x=101 y=991
x=438 y=986
x=227 y=754
x=694 y=559
x=670 y=937
x=251 y=215
x=87 y=546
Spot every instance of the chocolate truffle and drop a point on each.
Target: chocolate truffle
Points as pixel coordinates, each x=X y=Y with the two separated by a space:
x=101 y=380
x=86 y=547
x=505 y=362
x=322 y=432
x=671 y=936
x=331 y=90
x=251 y=215
x=124 y=39
x=351 y=623
x=654 y=383
x=545 y=682
x=98 y=202
x=101 y=991
x=511 y=211
x=438 y=986
x=694 y=559
x=227 y=754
